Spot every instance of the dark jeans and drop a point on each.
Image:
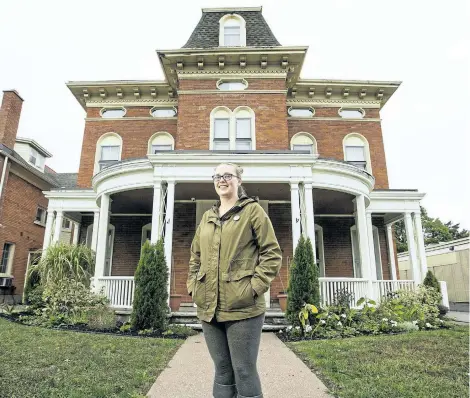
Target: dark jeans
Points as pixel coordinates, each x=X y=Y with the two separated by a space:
x=234 y=347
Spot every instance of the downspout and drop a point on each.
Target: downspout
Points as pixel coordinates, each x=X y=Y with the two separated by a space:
x=4 y=171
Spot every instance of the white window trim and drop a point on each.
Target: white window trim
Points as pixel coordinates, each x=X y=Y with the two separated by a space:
x=301 y=107
x=145 y=228
x=42 y=223
x=96 y=169
x=113 y=108
x=232 y=80
x=222 y=22
x=9 y=270
x=366 y=149
x=321 y=249
x=163 y=107
x=351 y=109
x=69 y=229
x=308 y=135
x=354 y=228
x=160 y=133
x=232 y=116
x=377 y=252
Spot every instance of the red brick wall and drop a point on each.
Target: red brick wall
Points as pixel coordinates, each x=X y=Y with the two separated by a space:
x=135 y=136
x=183 y=233
x=253 y=84
x=10 y=112
x=329 y=135
x=18 y=214
x=127 y=244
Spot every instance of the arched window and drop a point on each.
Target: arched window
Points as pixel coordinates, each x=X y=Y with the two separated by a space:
x=232 y=130
x=244 y=128
x=303 y=142
x=232 y=32
x=356 y=151
x=160 y=142
x=108 y=151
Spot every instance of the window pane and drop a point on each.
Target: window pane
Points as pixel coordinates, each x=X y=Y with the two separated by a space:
x=243 y=128
x=5 y=257
x=40 y=215
x=301 y=112
x=232 y=36
x=111 y=113
x=355 y=154
x=163 y=113
x=303 y=147
x=160 y=148
x=243 y=145
x=221 y=128
x=351 y=113
x=221 y=145
x=110 y=152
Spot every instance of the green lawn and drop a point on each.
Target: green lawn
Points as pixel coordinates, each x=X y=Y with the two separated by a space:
x=38 y=362
x=430 y=364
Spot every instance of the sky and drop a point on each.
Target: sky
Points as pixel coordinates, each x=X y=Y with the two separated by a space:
x=424 y=44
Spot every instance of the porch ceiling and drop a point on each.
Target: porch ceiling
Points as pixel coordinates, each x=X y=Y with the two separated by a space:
x=332 y=202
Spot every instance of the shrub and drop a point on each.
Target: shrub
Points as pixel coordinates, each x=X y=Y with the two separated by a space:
x=303 y=286
x=101 y=318
x=431 y=281
x=150 y=307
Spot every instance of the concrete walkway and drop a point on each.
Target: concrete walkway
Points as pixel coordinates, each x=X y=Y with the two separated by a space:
x=190 y=373
x=459 y=316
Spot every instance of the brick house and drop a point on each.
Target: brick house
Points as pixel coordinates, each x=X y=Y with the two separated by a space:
x=23 y=206
x=312 y=151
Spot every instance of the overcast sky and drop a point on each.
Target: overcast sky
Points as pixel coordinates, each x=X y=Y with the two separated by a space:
x=425 y=44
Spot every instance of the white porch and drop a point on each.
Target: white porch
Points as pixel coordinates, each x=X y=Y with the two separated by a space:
x=303 y=178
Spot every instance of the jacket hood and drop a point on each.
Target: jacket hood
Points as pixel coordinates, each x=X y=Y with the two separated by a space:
x=240 y=204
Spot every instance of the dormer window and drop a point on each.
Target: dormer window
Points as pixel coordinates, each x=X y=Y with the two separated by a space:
x=301 y=112
x=232 y=31
x=36 y=159
x=163 y=112
x=232 y=85
x=351 y=113
x=112 y=113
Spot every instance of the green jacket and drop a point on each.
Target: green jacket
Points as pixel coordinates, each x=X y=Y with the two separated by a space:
x=234 y=259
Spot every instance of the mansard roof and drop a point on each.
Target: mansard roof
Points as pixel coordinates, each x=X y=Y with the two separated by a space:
x=206 y=33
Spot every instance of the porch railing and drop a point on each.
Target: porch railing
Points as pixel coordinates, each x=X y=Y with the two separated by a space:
x=119 y=290
x=329 y=287
x=383 y=287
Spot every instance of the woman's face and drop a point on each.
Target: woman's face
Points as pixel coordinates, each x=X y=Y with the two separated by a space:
x=228 y=187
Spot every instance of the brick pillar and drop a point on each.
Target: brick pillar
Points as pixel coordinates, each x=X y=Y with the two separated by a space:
x=10 y=112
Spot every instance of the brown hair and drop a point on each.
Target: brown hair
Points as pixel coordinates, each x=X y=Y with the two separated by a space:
x=238 y=172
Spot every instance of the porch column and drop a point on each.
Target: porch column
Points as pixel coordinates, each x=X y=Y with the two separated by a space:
x=94 y=234
x=101 y=243
x=310 y=215
x=370 y=235
x=295 y=212
x=48 y=231
x=412 y=248
x=421 y=247
x=391 y=253
x=170 y=206
x=361 y=225
x=157 y=201
x=76 y=232
x=59 y=218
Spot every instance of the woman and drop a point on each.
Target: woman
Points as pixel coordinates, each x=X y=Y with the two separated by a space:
x=234 y=257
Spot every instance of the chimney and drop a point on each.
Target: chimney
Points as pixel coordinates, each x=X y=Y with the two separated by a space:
x=10 y=117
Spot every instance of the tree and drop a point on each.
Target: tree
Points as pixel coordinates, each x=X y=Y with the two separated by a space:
x=431 y=281
x=304 y=287
x=434 y=231
x=150 y=306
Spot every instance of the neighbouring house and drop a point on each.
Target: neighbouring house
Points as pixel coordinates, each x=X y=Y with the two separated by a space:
x=449 y=262
x=23 y=206
x=312 y=150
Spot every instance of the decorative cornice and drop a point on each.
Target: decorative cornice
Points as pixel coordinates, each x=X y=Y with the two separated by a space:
x=232 y=9
x=336 y=119
x=124 y=103
x=99 y=119
x=255 y=73
x=335 y=102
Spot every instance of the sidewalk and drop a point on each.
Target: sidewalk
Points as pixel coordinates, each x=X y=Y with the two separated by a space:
x=459 y=316
x=190 y=373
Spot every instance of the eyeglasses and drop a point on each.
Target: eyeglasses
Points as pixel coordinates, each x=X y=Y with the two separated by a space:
x=226 y=177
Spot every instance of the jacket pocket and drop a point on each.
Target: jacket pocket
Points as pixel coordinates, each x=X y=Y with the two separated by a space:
x=238 y=290
x=199 y=294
